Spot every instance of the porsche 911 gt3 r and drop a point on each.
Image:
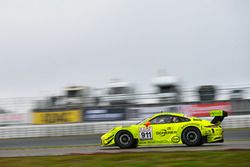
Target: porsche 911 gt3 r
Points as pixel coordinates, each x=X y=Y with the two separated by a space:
x=167 y=128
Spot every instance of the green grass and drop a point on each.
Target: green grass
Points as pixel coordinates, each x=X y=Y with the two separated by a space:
x=158 y=159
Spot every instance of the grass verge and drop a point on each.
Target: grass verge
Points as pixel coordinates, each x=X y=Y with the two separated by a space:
x=153 y=159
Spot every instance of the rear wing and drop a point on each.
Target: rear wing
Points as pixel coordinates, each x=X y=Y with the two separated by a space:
x=218 y=115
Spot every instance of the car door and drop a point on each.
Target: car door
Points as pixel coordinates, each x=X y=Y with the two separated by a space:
x=169 y=129
x=162 y=129
x=159 y=131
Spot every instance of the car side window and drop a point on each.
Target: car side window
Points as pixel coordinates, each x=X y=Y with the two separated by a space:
x=163 y=119
x=176 y=119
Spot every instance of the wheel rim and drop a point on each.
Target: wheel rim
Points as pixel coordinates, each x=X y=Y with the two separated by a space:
x=192 y=136
x=124 y=139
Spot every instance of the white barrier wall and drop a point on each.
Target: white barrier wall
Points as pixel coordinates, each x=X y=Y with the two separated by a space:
x=242 y=121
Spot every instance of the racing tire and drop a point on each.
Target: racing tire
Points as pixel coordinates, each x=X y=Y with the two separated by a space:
x=191 y=136
x=135 y=143
x=124 y=139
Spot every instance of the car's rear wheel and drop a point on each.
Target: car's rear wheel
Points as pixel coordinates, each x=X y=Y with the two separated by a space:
x=191 y=136
x=124 y=139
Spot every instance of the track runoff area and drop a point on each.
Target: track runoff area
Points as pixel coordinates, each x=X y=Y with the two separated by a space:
x=235 y=139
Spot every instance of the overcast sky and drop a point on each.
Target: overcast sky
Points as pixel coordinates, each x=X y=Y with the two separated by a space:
x=46 y=45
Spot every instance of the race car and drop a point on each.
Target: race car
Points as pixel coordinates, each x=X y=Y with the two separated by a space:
x=167 y=128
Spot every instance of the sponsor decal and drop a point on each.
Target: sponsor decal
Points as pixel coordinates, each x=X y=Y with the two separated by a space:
x=148 y=142
x=164 y=132
x=175 y=139
x=168 y=128
x=115 y=114
x=203 y=109
x=196 y=119
x=57 y=117
x=12 y=118
x=154 y=141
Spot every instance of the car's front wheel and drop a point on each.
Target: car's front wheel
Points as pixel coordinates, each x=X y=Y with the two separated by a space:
x=191 y=136
x=124 y=139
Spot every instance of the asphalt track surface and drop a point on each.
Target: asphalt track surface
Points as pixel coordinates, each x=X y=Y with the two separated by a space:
x=234 y=139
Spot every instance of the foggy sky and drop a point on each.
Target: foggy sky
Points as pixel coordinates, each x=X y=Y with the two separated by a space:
x=46 y=45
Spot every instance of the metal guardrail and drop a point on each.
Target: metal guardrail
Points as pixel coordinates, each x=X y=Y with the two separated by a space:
x=93 y=128
x=59 y=129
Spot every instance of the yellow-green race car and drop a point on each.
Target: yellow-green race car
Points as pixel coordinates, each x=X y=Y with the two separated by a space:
x=167 y=128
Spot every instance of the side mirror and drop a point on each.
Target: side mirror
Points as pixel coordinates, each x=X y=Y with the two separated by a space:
x=147 y=124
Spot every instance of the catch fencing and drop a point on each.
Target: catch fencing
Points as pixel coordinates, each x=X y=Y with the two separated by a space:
x=242 y=121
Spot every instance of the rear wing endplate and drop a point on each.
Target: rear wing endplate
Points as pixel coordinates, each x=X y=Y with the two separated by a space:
x=218 y=115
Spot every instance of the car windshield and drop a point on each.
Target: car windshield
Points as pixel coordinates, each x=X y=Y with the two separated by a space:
x=142 y=121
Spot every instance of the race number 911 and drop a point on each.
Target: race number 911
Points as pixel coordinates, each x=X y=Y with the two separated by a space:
x=146 y=133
